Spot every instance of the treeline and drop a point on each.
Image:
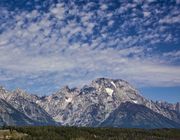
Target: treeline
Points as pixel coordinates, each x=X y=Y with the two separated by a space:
x=84 y=133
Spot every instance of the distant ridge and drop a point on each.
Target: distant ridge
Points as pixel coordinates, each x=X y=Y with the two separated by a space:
x=104 y=102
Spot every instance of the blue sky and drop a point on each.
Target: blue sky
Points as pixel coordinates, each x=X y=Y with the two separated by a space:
x=170 y=94
x=45 y=45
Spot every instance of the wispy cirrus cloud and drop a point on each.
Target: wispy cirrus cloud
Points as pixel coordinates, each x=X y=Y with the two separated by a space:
x=73 y=43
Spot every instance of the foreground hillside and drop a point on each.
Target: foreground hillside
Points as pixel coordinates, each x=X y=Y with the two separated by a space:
x=82 y=133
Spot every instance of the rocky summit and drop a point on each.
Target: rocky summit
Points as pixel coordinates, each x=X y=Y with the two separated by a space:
x=103 y=103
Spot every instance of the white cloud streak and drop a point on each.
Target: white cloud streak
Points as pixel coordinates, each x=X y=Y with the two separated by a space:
x=71 y=46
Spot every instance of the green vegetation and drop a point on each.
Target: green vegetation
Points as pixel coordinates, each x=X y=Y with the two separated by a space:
x=84 y=133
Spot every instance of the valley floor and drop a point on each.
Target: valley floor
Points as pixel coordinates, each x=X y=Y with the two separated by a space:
x=7 y=134
x=82 y=133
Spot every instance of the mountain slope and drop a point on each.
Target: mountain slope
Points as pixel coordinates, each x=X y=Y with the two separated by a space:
x=11 y=116
x=169 y=106
x=23 y=103
x=130 y=115
x=92 y=105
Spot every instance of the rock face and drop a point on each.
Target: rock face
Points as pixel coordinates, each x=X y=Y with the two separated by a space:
x=91 y=104
x=3 y=93
x=97 y=104
x=23 y=106
x=169 y=106
x=136 y=116
x=178 y=107
x=11 y=116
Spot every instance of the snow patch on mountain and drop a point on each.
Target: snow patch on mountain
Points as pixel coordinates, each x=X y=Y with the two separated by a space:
x=134 y=101
x=69 y=100
x=109 y=91
x=113 y=84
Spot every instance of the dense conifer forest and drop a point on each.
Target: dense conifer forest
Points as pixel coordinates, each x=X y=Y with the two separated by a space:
x=84 y=133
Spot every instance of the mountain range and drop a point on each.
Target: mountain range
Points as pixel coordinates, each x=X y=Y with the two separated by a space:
x=103 y=103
